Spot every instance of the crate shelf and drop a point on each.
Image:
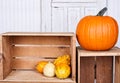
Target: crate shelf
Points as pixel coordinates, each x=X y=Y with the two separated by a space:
x=32 y=76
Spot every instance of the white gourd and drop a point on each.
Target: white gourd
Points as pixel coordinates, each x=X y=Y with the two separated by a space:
x=49 y=70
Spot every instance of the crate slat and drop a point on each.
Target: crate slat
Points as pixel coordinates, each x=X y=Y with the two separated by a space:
x=38 y=34
x=117 y=69
x=33 y=45
x=0 y=44
x=112 y=52
x=87 y=70
x=1 y=59
x=27 y=62
x=40 y=51
x=41 y=40
x=1 y=67
x=104 y=71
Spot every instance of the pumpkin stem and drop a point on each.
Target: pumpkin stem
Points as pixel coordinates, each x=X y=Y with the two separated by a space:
x=101 y=12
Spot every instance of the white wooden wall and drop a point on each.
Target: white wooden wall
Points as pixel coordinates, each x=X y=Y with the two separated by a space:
x=20 y=15
x=114 y=11
x=50 y=15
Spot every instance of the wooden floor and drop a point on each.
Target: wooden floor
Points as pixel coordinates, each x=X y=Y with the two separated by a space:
x=32 y=77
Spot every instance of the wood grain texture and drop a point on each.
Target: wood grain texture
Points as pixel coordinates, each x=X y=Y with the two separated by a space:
x=73 y=56
x=78 y=67
x=38 y=34
x=34 y=82
x=104 y=69
x=7 y=52
x=87 y=71
x=32 y=77
x=41 y=40
x=112 y=52
x=40 y=51
x=0 y=44
x=1 y=67
x=117 y=69
x=1 y=59
x=27 y=62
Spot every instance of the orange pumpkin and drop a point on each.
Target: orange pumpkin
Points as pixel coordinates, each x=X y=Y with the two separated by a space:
x=97 y=32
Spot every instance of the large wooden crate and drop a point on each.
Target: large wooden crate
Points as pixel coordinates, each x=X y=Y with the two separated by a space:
x=20 y=52
x=98 y=66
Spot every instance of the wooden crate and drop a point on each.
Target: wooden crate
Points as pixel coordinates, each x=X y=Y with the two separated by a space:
x=22 y=51
x=98 y=66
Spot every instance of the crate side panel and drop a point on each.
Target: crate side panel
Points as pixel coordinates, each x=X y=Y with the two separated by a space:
x=42 y=40
x=40 y=51
x=7 y=51
x=0 y=44
x=1 y=59
x=73 y=57
x=1 y=67
x=87 y=70
x=104 y=69
x=117 y=69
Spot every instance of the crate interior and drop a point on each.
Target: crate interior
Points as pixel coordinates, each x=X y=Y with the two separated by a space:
x=22 y=53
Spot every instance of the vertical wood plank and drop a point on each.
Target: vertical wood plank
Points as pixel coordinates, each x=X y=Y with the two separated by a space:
x=46 y=15
x=117 y=69
x=1 y=59
x=78 y=68
x=87 y=70
x=1 y=67
x=0 y=43
x=104 y=69
x=7 y=59
x=73 y=56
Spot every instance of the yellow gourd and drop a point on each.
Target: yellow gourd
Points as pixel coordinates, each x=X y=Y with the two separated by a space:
x=64 y=59
x=62 y=71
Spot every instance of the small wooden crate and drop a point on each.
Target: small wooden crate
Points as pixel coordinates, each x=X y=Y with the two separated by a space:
x=22 y=51
x=99 y=66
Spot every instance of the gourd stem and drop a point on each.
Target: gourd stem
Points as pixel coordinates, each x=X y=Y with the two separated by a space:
x=101 y=12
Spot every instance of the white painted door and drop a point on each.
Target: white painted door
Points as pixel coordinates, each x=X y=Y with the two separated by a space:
x=67 y=13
